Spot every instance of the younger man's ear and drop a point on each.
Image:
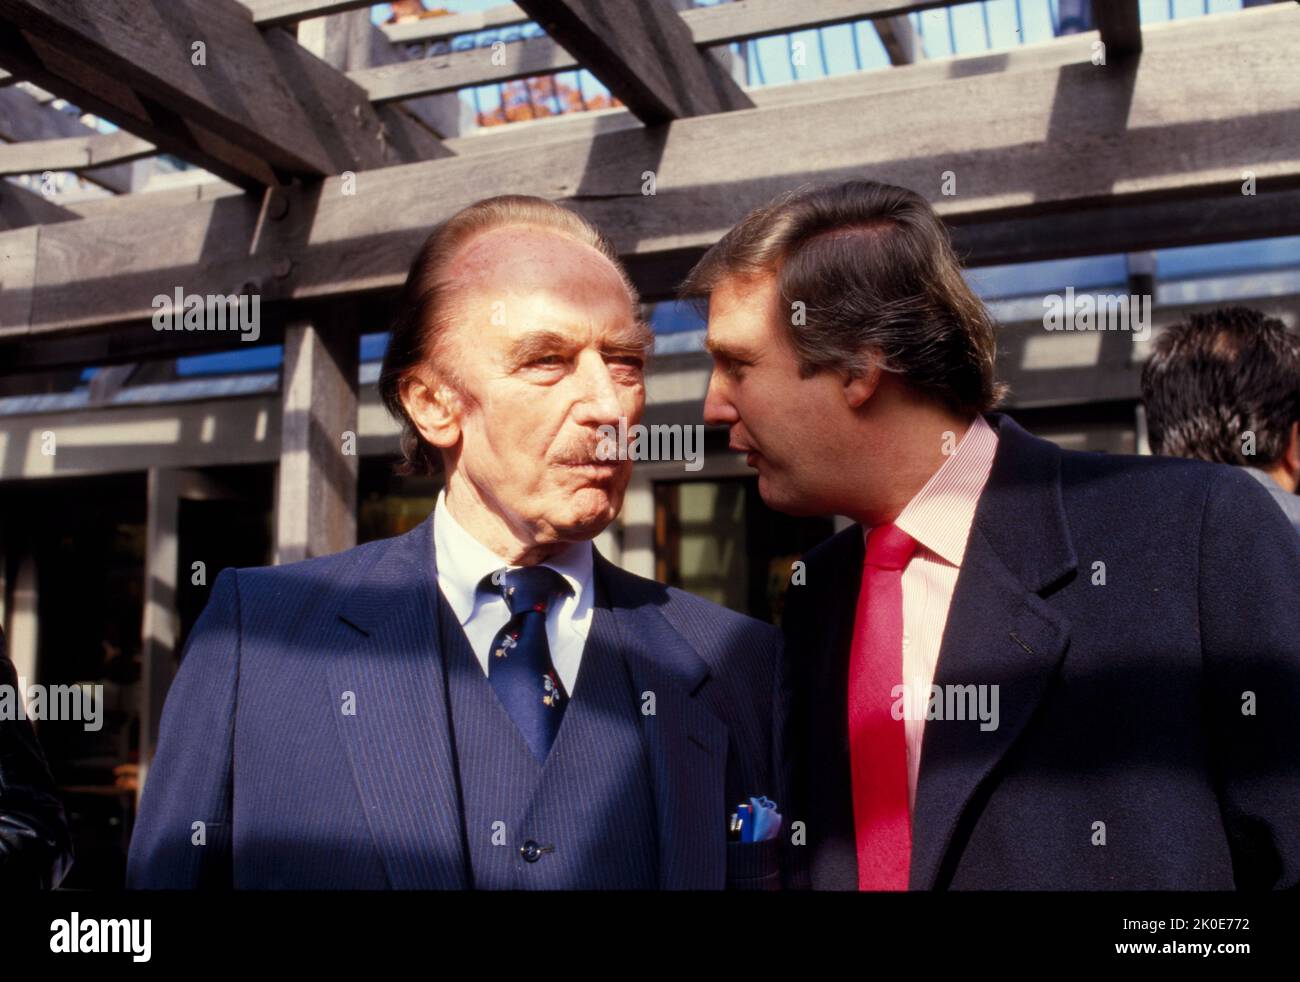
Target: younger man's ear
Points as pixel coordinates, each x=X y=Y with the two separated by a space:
x=859 y=388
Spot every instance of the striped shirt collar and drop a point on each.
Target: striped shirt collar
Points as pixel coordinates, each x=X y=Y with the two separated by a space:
x=939 y=517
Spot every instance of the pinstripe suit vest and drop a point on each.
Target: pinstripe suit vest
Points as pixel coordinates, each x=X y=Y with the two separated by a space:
x=583 y=819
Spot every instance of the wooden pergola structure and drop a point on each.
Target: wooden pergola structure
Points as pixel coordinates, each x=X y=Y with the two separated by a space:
x=334 y=154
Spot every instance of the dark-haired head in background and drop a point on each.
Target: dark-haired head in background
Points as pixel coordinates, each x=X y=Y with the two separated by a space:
x=1224 y=386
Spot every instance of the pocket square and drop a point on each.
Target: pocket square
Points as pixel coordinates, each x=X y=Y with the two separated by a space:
x=757 y=821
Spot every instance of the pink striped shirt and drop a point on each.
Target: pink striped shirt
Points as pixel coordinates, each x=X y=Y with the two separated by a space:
x=939 y=518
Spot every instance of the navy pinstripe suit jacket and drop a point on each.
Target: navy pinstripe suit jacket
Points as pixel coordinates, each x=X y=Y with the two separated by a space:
x=292 y=792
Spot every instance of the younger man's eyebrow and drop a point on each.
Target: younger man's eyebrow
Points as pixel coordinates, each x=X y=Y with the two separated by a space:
x=725 y=352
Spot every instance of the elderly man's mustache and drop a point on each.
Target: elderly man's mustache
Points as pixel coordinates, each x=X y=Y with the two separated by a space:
x=579 y=453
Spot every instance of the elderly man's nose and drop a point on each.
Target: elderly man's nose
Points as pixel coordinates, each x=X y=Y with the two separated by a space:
x=600 y=400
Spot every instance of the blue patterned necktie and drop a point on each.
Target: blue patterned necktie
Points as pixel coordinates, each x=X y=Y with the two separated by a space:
x=520 y=669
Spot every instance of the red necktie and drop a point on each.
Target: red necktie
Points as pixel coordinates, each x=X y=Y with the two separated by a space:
x=877 y=741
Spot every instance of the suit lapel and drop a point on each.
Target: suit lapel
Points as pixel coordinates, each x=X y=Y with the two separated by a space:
x=1000 y=632
x=398 y=742
x=997 y=635
x=686 y=744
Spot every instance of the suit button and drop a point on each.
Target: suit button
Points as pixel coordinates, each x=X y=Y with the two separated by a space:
x=531 y=851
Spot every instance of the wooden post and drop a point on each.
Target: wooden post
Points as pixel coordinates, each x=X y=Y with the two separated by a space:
x=22 y=627
x=159 y=628
x=316 y=487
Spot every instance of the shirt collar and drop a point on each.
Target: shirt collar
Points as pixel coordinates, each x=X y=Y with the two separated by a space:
x=463 y=562
x=940 y=515
x=1264 y=478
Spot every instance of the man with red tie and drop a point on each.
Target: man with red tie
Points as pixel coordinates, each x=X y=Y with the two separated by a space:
x=1021 y=667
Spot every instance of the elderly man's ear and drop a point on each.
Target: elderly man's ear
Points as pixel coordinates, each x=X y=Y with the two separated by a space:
x=435 y=408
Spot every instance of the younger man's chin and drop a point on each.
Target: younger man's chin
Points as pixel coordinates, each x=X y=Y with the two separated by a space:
x=786 y=501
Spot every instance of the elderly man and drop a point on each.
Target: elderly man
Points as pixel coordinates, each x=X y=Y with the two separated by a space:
x=484 y=702
x=1022 y=667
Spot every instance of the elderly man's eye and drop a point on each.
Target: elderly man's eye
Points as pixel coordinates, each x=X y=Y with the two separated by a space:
x=548 y=361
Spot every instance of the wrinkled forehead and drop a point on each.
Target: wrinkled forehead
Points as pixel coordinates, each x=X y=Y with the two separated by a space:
x=518 y=281
x=521 y=259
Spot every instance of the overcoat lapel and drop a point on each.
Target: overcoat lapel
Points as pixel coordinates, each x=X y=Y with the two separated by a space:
x=1000 y=634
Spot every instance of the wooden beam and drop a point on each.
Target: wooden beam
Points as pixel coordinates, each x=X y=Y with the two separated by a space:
x=157 y=196
x=985 y=241
x=73 y=153
x=138 y=342
x=258 y=110
x=272 y=13
x=720 y=23
x=713 y=25
x=528 y=135
x=1120 y=27
x=37 y=93
x=349 y=41
x=462 y=69
x=979 y=242
x=451 y=25
x=1128 y=228
x=20 y=207
x=137 y=436
x=531 y=134
x=741 y=20
x=1212 y=93
x=644 y=55
x=899 y=36
x=23 y=117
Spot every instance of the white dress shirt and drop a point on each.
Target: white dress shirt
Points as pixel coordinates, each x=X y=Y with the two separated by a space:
x=463 y=562
x=939 y=518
